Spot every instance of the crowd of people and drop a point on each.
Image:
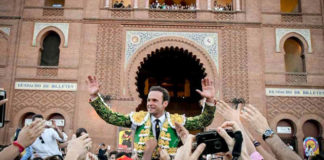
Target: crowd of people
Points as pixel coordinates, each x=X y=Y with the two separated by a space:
x=39 y=141
x=164 y=6
x=227 y=7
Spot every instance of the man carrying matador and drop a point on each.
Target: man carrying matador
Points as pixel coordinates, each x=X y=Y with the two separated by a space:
x=156 y=122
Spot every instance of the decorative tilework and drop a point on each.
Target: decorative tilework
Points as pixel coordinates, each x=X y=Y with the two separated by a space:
x=64 y=27
x=5 y=30
x=208 y=41
x=281 y=32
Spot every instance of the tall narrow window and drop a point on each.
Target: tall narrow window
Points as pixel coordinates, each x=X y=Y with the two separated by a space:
x=50 y=51
x=294 y=57
x=290 y=6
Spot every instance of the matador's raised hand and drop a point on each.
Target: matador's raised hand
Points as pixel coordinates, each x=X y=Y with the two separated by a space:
x=208 y=90
x=93 y=86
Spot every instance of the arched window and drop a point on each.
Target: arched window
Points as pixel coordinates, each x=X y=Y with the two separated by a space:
x=173 y=4
x=50 y=51
x=290 y=6
x=294 y=57
x=54 y=3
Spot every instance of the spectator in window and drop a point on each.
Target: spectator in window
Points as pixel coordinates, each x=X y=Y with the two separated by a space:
x=116 y=4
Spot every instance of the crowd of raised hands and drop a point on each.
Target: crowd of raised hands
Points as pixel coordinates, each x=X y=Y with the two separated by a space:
x=237 y=120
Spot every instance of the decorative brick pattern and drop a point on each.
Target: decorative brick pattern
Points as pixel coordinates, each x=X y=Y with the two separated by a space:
x=297 y=106
x=121 y=13
x=53 y=12
x=223 y=16
x=47 y=72
x=172 y=14
x=296 y=78
x=292 y=18
x=234 y=64
x=44 y=100
x=108 y=58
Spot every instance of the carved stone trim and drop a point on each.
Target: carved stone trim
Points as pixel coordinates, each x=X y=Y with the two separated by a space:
x=164 y=14
x=53 y=12
x=63 y=27
x=305 y=33
x=292 y=18
x=235 y=82
x=297 y=106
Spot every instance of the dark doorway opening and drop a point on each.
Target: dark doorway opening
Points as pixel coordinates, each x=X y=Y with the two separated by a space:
x=179 y=71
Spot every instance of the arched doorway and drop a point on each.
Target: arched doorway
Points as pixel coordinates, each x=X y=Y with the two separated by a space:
x=287 y=132
x=179 y=71
x=313 y=128
x=26 y=119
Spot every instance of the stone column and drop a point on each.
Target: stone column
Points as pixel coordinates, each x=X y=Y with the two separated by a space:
x=209 y=4
x=135 y=4
x=197 y=4
x=147 y=4
x=107 y=4
x=238 y=5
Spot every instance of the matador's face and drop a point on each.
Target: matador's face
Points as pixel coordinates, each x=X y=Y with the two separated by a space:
x=155 y=104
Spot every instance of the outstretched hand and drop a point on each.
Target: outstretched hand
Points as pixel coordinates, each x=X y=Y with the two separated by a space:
x=255 y=119
x=3 y=101
x=28 y=134
x=208 y=90
x=93 y=86
x=229 y=113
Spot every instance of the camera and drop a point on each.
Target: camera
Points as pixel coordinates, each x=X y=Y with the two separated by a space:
x=214 y=142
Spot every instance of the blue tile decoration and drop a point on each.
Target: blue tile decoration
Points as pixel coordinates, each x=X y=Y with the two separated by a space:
x=136 y=39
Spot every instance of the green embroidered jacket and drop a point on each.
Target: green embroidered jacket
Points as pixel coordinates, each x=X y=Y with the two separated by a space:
x=168 y=138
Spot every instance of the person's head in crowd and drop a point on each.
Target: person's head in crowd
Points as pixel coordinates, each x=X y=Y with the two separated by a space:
x=37 y=116
x=102 y=146
x=112 y=155
x=157 y=100
x=80 y=131
x=120 y=154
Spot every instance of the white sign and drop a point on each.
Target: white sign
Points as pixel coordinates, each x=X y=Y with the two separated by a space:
x=284 y=130
x=289 y=92
x=59 y=122
x=46 y=86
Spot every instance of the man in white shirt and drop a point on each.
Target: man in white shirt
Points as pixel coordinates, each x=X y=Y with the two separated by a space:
x=46 y=145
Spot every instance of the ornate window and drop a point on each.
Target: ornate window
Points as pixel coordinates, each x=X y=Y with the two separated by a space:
x=50 y=51
x=294 y=57
x=290 y=6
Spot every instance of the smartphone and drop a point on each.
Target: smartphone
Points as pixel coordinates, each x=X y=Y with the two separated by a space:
x=3 y=95
x=214 y=142
x=48 y=123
